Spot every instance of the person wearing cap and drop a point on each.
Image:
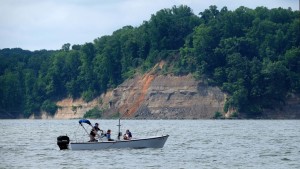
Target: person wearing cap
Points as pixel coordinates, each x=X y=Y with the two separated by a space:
x=94 y=132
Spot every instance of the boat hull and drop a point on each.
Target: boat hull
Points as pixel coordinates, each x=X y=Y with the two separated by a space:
x=151 y=142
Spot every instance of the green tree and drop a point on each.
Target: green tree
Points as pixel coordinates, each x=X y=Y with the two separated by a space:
x=66 y=47
x=11 y=92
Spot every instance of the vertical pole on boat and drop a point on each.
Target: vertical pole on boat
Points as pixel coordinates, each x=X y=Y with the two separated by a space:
x=119 y=133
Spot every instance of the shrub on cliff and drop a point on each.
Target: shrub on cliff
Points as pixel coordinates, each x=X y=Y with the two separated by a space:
x=94 y=113
x=218 y=115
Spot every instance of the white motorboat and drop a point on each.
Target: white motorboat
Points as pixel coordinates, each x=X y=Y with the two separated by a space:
x=149 y=142
x=146 y=142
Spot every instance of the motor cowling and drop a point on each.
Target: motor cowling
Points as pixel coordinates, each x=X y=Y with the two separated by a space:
x=63 y=142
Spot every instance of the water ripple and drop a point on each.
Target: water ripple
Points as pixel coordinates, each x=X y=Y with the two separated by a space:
x=192 y=144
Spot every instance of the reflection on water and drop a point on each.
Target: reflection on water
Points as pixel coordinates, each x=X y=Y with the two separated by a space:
x=192 y=144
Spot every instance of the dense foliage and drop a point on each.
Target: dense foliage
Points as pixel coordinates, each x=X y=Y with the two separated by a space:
x=253 y=55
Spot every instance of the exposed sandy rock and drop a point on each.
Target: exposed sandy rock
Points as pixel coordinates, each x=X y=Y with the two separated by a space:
x=171 y=97
x=70 y=109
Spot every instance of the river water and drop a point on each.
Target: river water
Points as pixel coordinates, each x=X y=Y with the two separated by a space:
x=192 y=144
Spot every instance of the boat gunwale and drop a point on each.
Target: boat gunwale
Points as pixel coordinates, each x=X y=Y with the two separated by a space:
x=116 y=141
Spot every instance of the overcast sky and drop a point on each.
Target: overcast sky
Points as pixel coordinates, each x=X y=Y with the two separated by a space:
x=48 y=24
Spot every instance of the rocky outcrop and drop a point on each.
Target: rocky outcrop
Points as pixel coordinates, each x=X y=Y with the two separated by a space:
x=152 y=96
x=165 y=97
x=181 y=97
x=70 y=108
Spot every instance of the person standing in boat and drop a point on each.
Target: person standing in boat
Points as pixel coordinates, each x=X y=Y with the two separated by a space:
x=127 y=135
x=108 y=135
x=94 y=132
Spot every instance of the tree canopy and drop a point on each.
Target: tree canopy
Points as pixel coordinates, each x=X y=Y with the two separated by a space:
x=252 y=54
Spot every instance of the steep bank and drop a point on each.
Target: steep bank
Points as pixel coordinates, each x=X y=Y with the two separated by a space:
x=154 y=96
x=165 y=97
x=69 y=109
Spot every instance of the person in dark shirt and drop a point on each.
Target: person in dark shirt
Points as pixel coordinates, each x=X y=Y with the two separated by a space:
x=94 y=132
x=127 y=135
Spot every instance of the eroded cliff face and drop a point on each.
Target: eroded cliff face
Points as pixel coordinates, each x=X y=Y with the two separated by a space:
x=182 y=97
x=153 y=96
x=72 y=109
x=164 y=97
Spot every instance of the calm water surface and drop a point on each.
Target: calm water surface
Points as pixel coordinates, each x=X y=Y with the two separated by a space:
x=192 y=144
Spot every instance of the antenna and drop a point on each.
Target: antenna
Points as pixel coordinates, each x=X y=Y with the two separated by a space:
x=119 y=125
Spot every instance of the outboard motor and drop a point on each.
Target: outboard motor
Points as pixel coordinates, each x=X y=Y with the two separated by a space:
x=63 y=142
